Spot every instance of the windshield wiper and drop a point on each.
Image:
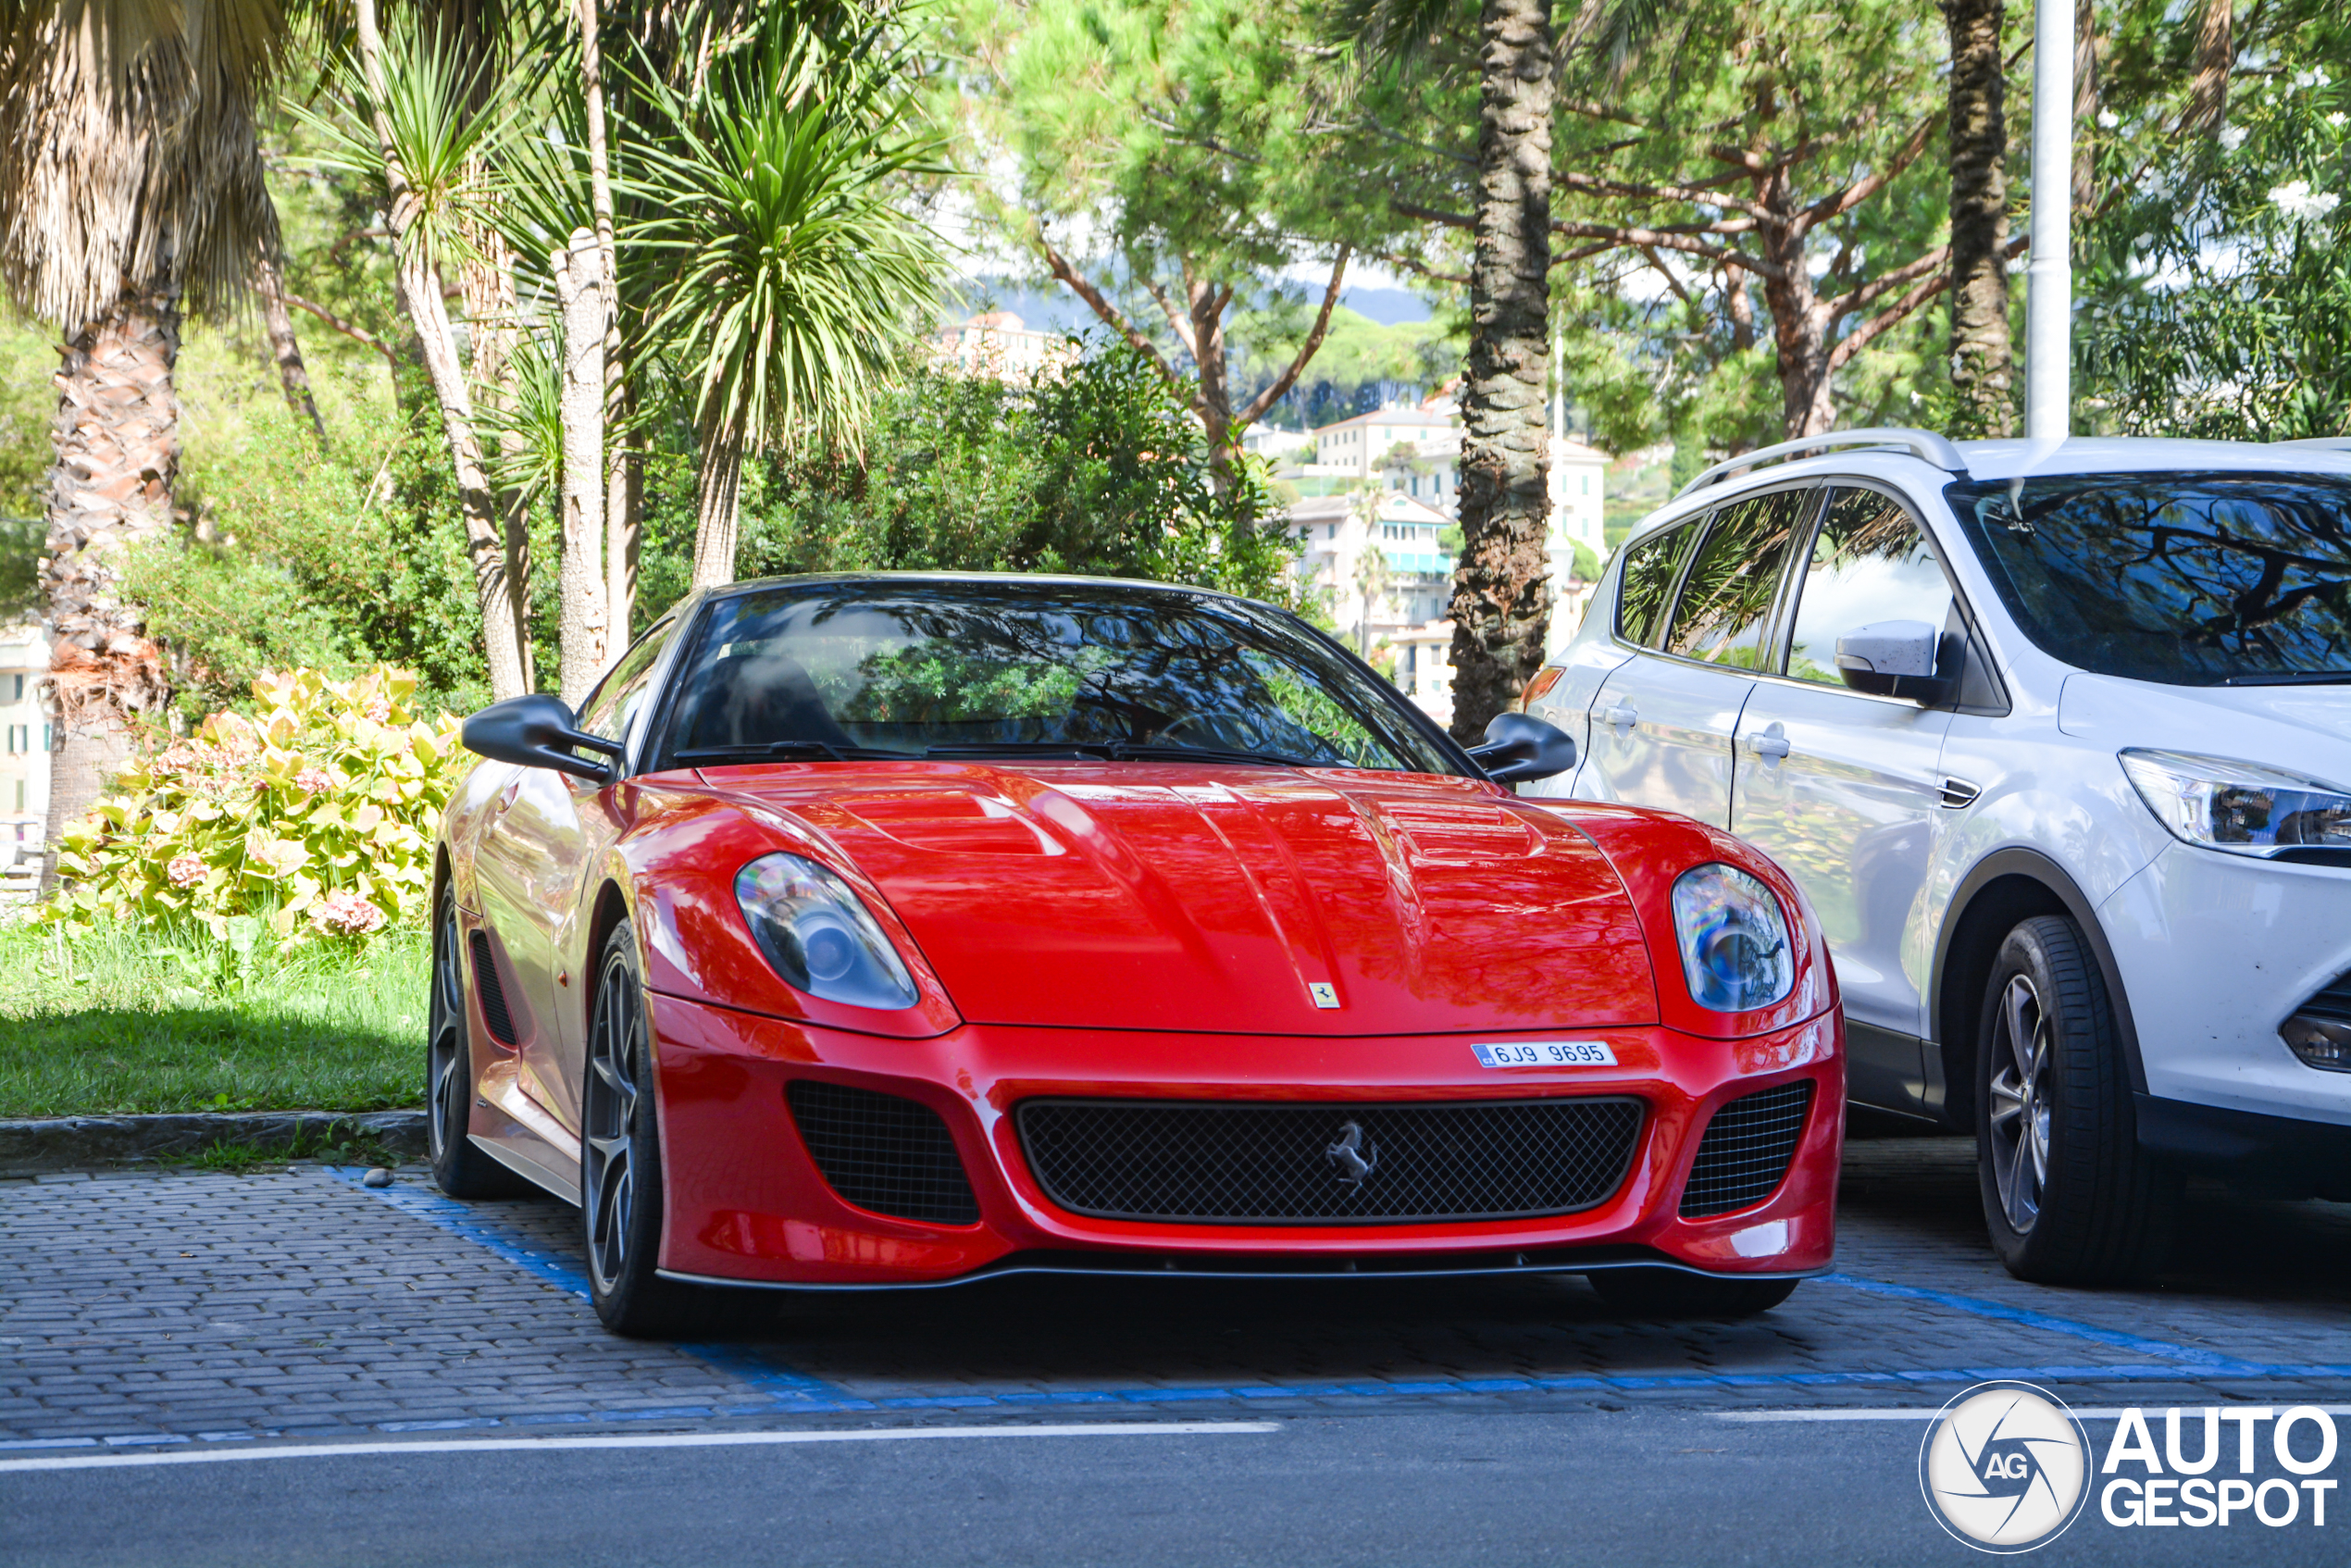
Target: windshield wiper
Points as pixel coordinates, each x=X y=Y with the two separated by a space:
x=1113 y=751
x=777 y=750
x=2292 y=678
x=1135 y=752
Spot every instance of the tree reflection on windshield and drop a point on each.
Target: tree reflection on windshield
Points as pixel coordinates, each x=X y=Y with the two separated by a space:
x=910 y=667
x=2189 y=578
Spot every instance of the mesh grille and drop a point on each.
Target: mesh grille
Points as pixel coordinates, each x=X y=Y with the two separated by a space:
x=1223 y=1163
x=880 y=1153
x=493 y=995
x=1746 y=1149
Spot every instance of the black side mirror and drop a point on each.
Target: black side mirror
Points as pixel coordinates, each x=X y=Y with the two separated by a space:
x=1893 y=659
x=536 y=730
x=1520 y=748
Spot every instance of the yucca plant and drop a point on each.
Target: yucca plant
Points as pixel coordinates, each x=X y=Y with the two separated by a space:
x=792 y=267
x=131 y=191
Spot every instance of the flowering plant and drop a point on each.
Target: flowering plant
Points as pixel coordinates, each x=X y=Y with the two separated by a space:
x=317 y=812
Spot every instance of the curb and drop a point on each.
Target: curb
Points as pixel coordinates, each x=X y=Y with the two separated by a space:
x=72 y=1143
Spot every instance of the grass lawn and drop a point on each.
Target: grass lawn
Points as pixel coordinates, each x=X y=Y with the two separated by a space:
x=132 y=1020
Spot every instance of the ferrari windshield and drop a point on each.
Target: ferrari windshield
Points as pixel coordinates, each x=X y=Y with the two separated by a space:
x=2188 y=578
x=931 y=668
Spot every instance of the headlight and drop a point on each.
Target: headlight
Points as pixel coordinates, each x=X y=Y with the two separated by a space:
x=2238 y=806
x=1733 y=940
x=818 y=935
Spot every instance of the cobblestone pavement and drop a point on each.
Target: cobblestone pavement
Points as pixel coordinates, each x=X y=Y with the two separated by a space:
x=180 y=1307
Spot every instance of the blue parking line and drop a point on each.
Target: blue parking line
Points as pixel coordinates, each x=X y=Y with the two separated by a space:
x=787 y=1389
x=2211 y=1360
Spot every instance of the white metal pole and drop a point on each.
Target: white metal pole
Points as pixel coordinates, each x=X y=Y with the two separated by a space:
x=2049 y=278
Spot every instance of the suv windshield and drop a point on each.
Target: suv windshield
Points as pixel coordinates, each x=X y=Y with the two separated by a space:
x=2188 y=578
x=916 y=668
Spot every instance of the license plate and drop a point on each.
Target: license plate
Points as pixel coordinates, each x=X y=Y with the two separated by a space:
x=1547 y=1053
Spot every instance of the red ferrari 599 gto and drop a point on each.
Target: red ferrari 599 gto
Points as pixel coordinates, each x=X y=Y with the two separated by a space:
x=887 y=930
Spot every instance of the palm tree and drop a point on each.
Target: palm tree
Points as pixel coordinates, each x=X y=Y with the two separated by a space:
x=791 y=273
x=130 y=192
x=1501 y=602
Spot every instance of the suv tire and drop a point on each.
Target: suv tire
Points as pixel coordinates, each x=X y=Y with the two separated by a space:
x=2069 y=1197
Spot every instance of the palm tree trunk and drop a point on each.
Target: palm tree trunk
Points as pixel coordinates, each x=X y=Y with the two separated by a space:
x=624 y=503
x=620 y=512
x=1983 y=359
x=118 y=451
x=277 y=323
x=1500 y=605
x=581 y=579
x=718 y=495
x=417 y=282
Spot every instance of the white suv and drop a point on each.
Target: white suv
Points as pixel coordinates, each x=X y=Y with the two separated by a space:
x=2056 y=739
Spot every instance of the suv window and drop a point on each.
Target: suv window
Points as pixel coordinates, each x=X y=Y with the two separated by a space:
x=613 y=705
x=1870 y=562
x=1727 y=598
x=1649 y=567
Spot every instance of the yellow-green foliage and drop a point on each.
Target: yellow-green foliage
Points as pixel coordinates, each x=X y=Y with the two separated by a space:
x=316 y=815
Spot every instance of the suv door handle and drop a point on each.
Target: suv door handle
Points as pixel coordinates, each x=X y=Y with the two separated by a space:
x=1618 y=716
x=1768 y=745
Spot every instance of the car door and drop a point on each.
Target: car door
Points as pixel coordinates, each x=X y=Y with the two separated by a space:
x=549 y=830
x=1663 y=721
x=1842 y=788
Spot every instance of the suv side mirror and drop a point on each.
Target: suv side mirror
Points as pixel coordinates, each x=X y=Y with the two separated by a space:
x=537 y=730
x=1893 y=659
x=1520 y=748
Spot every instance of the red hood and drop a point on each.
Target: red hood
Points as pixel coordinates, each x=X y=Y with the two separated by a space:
x=1213 y=898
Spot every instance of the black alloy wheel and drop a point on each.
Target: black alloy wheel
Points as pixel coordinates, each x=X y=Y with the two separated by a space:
x=620 y=1184
x=2067 y=1195
x=459 y=1168
x=1670 y=1293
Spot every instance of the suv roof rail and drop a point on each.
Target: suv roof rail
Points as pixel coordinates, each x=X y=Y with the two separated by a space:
x=1924 y=443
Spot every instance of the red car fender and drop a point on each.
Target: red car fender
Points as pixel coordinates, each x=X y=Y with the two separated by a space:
x=681 y=861
x=1650 y=850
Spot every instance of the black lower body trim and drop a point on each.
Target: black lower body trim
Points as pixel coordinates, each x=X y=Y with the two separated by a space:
x=1190 y=1266
x=2308 y=1157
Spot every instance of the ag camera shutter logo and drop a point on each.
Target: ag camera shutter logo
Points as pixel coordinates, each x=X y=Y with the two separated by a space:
x=2005 y=1467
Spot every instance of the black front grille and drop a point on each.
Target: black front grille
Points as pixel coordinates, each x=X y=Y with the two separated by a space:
x=2333 y=1002
x=493 y=995
x=1746 y=1149
x=880 y=1153
x=1261 y=1164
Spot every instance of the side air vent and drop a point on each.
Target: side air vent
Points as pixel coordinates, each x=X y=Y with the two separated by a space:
x=884 y=1154
x=1746 y=1151
x=494 y=994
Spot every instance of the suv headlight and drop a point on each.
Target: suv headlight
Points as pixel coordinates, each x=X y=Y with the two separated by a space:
x=819 y=936
x=2238 y=806
x=1733 y=940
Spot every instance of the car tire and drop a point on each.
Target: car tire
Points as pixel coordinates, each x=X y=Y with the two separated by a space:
x=459 y=1167
x=2069 y=1197
x=620 y=1174
x=1670 y=1293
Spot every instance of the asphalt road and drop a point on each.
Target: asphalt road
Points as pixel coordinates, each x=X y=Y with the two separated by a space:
x=290 y=1369
x=1634 y=1488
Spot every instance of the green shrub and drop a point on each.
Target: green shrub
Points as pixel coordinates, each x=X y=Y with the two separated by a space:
x=313 y=818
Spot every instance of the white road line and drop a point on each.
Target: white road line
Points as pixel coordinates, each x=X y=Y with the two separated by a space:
x=645 y=1440
x=1922 y=1413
